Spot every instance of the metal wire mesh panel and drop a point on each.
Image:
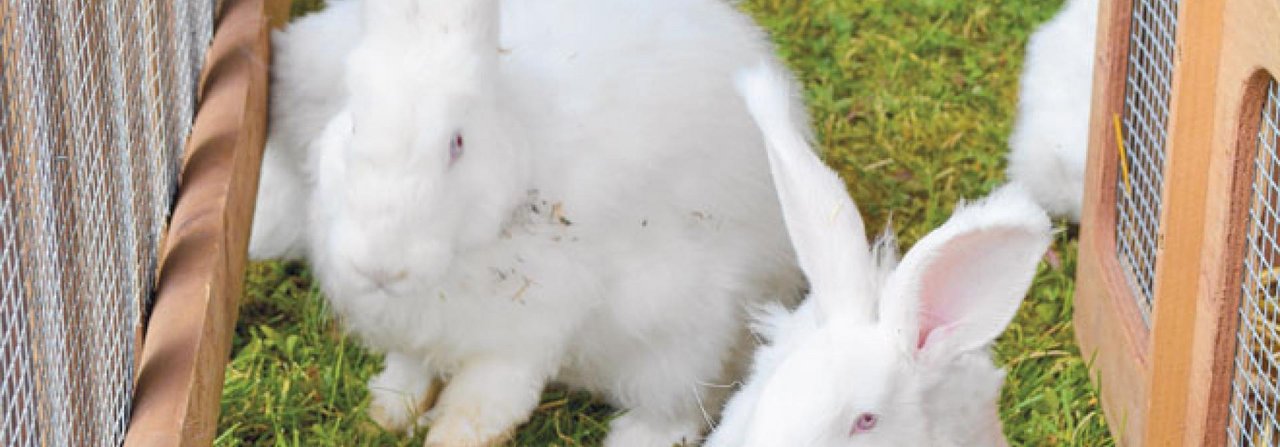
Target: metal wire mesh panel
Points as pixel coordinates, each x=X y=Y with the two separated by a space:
x=1255 y=402
x=1146 y=112
x=97 y=100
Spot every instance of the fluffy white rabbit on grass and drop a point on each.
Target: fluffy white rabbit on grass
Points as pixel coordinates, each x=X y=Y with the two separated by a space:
x=1051 y=135
x=511 y=193
x=881 y=352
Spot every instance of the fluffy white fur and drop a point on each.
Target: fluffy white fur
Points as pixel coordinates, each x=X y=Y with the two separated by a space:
x=306 y=80
x=1050 y=138
x=905 y=344
x=606 y=224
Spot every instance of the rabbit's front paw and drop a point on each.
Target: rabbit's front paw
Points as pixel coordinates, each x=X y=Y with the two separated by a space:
x=632 y=430
x=400 y=392
x=396 y=410
x=484 y=403
x=465 y=430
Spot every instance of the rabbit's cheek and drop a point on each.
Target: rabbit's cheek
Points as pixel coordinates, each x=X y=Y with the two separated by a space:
x=428 y=262
x=481 y=220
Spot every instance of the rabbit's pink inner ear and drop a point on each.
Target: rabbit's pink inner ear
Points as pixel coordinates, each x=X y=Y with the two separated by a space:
x=935 y=317
x=961 y=286
x=929 y=326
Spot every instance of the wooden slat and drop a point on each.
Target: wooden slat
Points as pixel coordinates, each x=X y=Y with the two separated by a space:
x=1191 y=122
x=1248 y=57
x=202 y=262
x=1108 y=323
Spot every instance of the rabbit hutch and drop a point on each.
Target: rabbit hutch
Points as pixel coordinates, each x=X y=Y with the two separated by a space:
x=130 y=132
x=1177 y=298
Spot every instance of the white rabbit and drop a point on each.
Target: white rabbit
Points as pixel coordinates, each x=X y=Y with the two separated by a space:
x=1051 y=135
x=881 y=352
x=576 y=195
x=306 y=92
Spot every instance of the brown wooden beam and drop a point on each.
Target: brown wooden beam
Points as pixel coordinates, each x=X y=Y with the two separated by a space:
x=1108 y=322
x=188 y=336
x=1177 y=282
x=1246 y=60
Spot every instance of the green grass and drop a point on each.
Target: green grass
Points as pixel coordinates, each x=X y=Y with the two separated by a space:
x=912 y=101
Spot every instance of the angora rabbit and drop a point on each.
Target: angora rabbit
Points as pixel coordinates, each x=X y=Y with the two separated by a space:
x=527 y=191
x=1051 y=136
x=881 y=352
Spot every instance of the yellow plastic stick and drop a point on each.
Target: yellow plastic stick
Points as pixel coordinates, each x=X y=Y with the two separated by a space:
x=1124 y=157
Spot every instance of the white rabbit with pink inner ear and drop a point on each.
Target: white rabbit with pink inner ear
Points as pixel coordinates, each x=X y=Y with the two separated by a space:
x=520 y=192
x=881 y=352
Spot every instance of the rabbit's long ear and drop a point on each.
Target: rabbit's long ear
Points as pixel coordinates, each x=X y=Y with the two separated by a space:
x=825 y=227
x=959 y=287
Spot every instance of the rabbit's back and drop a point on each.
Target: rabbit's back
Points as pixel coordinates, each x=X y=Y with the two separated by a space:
x=631 y=107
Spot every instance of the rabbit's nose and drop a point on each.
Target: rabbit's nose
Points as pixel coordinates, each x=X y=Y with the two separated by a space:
x=381 y=277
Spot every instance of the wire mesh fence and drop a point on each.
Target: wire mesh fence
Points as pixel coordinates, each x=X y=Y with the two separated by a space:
x=98 y=97
x=1255 y=399
x=1144 y=122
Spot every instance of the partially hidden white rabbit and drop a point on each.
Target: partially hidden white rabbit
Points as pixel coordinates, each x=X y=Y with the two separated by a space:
x=881 y=352
x=1051 y=135
x=306 y=92
x=527 y=191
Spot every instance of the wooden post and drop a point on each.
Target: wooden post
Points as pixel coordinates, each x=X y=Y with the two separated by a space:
x=1192 y=116
x=1109 y=325
x=1246 y=58
x=202 y=262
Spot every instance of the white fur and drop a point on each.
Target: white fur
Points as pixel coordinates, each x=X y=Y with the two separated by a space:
x=610 y=221
x=306 y=79
x=1051 y=136
x=910 y=342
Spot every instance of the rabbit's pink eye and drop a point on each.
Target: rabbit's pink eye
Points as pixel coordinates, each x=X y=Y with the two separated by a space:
x=864 y=423
x=455 y=148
